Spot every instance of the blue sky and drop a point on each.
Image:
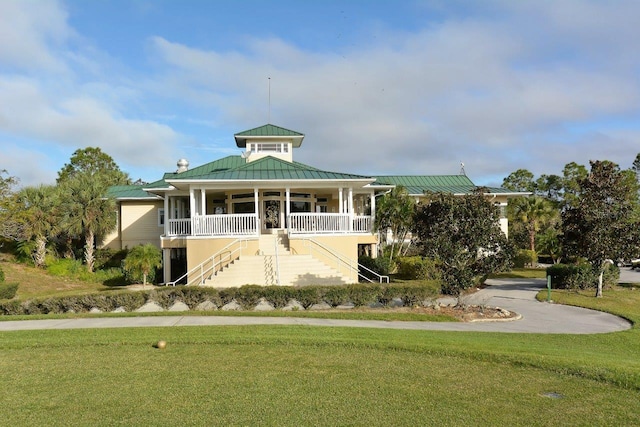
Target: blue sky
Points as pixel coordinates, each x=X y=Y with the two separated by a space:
x=377 y=87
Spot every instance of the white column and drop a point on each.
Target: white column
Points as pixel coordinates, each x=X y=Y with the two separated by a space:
x=192 y=202
x=350 y=207
x=166 y=214
x=203 y=204
x=373 y=208
x=340 y=206
x=255 y=200
x=287 y=207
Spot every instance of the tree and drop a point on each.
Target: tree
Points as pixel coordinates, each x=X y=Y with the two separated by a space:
x=395 y=212
x=520 y=180
x=463 y=235
x=550 y=187
x=8 y=225
x=35 y=213
x=572 y=174
x=6 y=184
x=88 y=212
x=599 y=224
x=93 y=161
x=534 y=212
x=142 y=260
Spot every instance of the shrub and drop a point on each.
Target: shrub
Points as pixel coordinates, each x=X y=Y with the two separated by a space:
x=307 y=296
x=248 y=296
x=410 y=294
x=11 y=308
x=364 y=294
x=64 y=267
x=279 y=296
x=107 y=258
x=335 y=295
x=8 y=290
x=570 y=276
x=525 y=258
x=381 y=265
x=417 y=268
x=1 y=274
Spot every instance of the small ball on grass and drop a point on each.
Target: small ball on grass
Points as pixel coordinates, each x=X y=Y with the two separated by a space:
x=161 y=344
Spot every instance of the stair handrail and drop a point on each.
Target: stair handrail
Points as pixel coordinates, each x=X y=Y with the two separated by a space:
x=275 y=241
x=200 y=277
x=341 y=258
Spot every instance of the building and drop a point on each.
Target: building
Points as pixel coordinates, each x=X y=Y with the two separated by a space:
x=263 y=218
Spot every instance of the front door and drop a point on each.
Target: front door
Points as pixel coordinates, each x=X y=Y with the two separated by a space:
x=272 y=214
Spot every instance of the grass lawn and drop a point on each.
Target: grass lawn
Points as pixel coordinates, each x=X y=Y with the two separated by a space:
x=316 y=376
x=521 y=273
x=297 y=375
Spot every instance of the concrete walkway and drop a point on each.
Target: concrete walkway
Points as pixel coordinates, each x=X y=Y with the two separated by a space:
x=513 y=295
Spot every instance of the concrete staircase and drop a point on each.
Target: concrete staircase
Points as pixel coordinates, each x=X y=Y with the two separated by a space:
x=261 y=269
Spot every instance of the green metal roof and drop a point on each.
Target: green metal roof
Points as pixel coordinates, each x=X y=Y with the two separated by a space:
x=268 y=131
x=418 y=184
x=271 y=168
x=129 y=192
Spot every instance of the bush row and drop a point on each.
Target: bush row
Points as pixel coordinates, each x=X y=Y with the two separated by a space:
x=580 y=276
x=247 y=296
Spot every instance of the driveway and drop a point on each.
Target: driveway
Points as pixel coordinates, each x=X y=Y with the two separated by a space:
x=512 y=294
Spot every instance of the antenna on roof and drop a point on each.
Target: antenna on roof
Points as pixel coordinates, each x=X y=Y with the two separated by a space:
x=462 y=172
x=269 y=114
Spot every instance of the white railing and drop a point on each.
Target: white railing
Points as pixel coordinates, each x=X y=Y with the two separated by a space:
x=210 y=266
x=328 y=223
x=362 y=224
x=179 y=227
x=215 y=225
x=225 y=225
x=330 y=256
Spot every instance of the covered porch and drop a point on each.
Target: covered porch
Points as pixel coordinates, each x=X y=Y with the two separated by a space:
x=209 y=212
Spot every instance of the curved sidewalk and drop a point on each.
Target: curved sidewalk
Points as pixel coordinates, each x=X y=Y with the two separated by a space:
x=513 y=295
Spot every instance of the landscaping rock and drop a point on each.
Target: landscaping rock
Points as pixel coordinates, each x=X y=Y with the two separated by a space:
x=376 y=304
x=150 y=307
x=264 y=305
x=120 y=309
x=347 y=306
x=293 y=305
x=206 y=306
x=179 y=306
x=232 y=306
x=396 y=302
x=95 y=310
x=320 y=306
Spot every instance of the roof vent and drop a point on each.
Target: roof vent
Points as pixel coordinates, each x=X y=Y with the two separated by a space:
x=183 y=165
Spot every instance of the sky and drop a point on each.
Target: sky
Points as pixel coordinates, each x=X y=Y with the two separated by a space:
x=377 y=87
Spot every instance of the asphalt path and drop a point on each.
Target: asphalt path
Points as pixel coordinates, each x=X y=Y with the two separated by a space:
x=516 y=295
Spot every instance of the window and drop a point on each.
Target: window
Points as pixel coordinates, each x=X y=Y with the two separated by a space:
x=161 y=217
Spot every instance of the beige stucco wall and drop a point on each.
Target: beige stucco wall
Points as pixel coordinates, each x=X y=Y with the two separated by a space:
x=200 y=250
x=139 y=223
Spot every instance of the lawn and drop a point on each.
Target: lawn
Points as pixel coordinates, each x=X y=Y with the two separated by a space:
x=297 y=375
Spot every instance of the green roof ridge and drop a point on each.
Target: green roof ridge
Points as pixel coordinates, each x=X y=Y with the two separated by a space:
x=269 y=130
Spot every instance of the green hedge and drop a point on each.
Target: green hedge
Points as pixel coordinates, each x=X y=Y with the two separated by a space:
x=247 y=296
x=417 y=268
x=1 y=275
x=381 y=265
x=580 y=276
x=525 y=258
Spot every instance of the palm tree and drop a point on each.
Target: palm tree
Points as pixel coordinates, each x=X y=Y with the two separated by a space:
x=37 y=211
x=395 y=212
x=88 y=213
x=142 y=260
x=533 y=211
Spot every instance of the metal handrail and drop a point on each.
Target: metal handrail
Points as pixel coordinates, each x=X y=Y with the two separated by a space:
x=214 y=265
x=341 y=258
x=277 y=261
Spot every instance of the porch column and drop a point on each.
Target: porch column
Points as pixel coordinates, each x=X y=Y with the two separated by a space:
x=203 y=202
x=192 y=210
x=287 y=206
x=166 y=264
x=350 y=207
x=340 y=207
x=166 y=214
x=255 y=201
x=373 y=209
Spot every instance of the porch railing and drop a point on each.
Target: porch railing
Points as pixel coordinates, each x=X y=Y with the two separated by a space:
x=328 y=223
x=215 y=225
